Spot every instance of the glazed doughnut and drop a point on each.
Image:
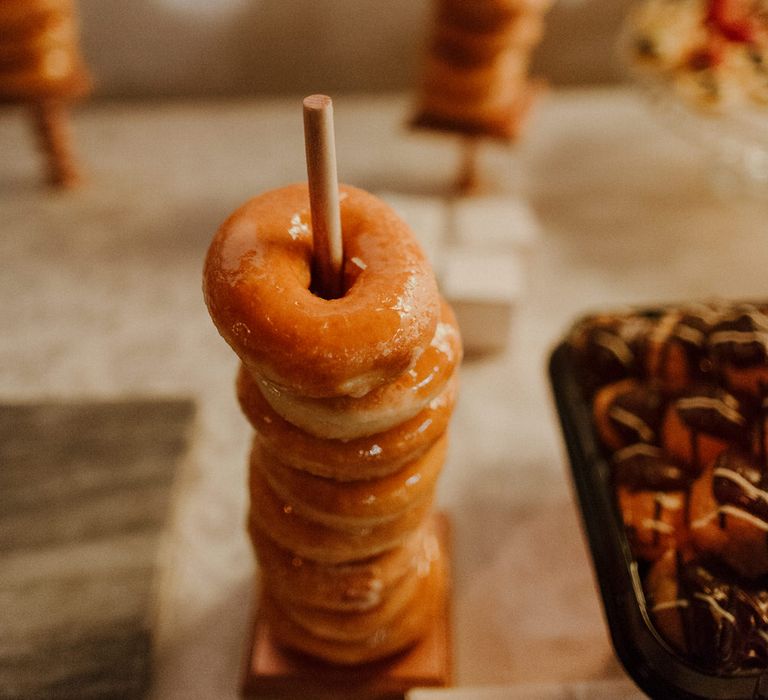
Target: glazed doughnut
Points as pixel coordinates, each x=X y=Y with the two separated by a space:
x=729 y=513
x=486 y=16
x=369 y=457
x=466 y=48
x=39 y=33
x=348 y=418
x=357 y=625
x=355 y=585
x=675 y=354
x=494 y=118
x=720 y=623
x=626 y=412
x=654 y=520
x=353 y=503
x=702 y=423
x=740 y=345
x=311 y=540
x=492 y=82
x=401 y=632
x=257 y=287
x=39 y=55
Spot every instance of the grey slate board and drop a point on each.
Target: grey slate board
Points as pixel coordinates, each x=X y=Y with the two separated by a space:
x=84 y=495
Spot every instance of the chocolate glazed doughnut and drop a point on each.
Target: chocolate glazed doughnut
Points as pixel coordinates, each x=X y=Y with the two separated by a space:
x=739 y=344
x=719 y=622
x=729 y=513
x=702 y=423
x=676 y=352
x=652 y=493
x=626 y=412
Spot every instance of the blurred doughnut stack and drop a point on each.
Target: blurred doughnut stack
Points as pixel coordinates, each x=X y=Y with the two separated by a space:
x=475 y=78
x=342 y=475
x=679 y=400
x=40 y=65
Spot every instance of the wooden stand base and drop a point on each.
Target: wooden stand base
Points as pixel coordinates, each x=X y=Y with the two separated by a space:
x=274 y=672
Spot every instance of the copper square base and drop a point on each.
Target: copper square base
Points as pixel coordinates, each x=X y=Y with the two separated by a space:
x=274 y=672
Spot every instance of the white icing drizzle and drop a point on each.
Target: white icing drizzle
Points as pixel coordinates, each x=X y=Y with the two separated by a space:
x=689 y=334
x=729 y=510
x=664 y=328
x=639 y=448
x=739 y=337
x=670 y=501
x=632 y=421
x=667 y=604
x=726 y=407
x=615 y=345
x=658 y=525
x=749 y=488
x=710 y=314
x=718 y=612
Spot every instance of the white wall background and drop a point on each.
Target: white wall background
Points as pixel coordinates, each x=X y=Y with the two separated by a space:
x=244 y=47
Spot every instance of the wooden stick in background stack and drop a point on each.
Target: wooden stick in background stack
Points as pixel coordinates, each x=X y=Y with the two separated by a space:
x=40 y=65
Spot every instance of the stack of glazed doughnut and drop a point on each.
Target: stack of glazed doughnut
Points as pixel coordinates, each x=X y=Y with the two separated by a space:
x=350 y=399
x=682 y=410
x=40 y=64
x=476 y=72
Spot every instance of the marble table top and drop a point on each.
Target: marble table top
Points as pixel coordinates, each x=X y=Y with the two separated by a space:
x=101 y=300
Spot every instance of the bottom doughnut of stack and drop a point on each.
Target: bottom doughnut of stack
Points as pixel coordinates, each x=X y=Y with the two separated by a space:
x=679 y=401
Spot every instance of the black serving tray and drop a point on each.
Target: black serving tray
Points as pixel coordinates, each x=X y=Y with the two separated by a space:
x=656 y=668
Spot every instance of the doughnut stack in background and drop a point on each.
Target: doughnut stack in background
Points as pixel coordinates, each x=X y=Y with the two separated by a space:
x=680 y=403
x=710 y=52
x=350 y=400
x=475 y=78
x=40 y=65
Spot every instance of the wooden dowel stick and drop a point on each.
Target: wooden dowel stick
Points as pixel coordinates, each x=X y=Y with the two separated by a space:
x=467 y=179
x=323 y=195
x=52 y=127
